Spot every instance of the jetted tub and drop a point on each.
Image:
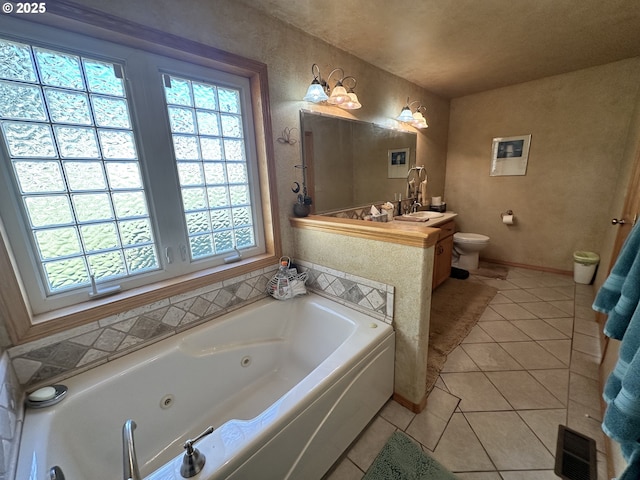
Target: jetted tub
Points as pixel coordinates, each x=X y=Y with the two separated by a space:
x=288 y=385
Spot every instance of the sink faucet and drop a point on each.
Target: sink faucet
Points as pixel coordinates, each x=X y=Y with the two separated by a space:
x=129 y=460
x=414 y=206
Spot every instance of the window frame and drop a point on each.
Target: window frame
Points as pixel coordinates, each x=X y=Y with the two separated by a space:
x=22 y=325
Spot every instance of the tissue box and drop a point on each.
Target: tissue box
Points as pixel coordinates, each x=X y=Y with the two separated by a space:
x=382 y=217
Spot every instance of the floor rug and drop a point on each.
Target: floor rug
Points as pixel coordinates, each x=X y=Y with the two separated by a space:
x=491 y=270
x=456 y=306
x=403 y=459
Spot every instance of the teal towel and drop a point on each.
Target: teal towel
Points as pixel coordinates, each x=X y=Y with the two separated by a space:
x=622 y=418
x=619 y=293
x=632 y=472
x=628 y=349
x=620 y=315
x=614 y=383
x=619 y=297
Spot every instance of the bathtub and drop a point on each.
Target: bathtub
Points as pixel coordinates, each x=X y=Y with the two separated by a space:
x=287 y=385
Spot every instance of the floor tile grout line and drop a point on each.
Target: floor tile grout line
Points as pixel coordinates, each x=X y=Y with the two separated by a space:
x=535 y=380
x=566 y=415
x=479 y=442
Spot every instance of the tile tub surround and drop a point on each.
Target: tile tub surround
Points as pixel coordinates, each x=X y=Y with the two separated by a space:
x=11 y=417
x=73 y=351
x=494 y=412
x=368 y=296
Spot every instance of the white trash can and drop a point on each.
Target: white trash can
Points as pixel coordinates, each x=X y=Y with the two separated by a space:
x=584 y=266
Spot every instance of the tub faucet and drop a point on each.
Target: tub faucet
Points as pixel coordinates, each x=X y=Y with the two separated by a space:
x=129 y=460
x=56 y=473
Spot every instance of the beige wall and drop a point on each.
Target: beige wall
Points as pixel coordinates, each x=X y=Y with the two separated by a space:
x=289 y=54
x=579 y=124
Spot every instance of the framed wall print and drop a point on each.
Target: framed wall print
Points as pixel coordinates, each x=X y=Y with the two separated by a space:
x=509 y=155
x=398 y=163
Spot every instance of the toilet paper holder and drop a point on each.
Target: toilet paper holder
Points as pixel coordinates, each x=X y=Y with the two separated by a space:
x=508 y=212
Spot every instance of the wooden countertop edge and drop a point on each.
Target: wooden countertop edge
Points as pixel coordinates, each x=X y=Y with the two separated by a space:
x=410 y=234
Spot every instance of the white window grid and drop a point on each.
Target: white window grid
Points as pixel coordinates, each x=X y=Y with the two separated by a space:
x=68 y=132
x=245 y=228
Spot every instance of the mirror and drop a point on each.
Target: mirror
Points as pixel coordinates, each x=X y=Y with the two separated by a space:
x=349 y=163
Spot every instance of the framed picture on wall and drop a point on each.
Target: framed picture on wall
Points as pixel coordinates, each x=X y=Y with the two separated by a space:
x=398 y=163
x=509 y=155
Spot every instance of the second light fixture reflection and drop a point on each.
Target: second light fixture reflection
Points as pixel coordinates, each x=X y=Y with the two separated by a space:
x=415 y=119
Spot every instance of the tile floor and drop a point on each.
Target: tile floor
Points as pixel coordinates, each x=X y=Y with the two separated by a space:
x=529 y=364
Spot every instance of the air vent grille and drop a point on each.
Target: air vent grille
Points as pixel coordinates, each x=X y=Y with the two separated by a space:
x=575 y=455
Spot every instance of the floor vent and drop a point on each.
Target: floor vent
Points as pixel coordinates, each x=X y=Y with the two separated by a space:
x=575 y=456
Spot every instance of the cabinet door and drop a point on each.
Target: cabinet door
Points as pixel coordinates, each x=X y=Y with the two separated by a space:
x=442 y=261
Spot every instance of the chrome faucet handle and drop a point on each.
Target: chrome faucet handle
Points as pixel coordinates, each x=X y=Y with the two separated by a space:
x=193 y=460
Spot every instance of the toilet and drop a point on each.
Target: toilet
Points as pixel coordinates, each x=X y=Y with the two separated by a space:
x=466 y=249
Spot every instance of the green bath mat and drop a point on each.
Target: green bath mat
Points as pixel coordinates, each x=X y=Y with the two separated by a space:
x=402 y=459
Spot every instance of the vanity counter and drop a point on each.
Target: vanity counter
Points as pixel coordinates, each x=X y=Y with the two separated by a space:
x=433 y=222
x=416 y=234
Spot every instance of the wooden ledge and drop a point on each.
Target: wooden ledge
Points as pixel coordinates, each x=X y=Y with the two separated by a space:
x=402 y=233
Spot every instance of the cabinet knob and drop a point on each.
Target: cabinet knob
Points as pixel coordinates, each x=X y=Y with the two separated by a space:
x=615 y=221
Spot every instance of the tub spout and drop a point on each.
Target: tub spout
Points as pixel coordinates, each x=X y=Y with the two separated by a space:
x=129 y=460
x=56 y=473
x=193 y=460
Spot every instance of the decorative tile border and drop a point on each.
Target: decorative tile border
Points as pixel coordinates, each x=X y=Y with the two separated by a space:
x=79 y=349
x=11 y=416
x=367 y=296
x=359 y=213
x=70 y=352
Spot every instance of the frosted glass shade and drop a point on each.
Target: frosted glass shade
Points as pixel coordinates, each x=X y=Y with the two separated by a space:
x=339 y=95
x=419 y=121
x=352 y=103
x=405 y=115
x=315 y=93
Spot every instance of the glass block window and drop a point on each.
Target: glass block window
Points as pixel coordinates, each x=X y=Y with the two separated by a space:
x=68 y=132
x=209 y=144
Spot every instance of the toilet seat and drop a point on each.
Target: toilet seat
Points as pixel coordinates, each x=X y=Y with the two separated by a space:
x=462 y=237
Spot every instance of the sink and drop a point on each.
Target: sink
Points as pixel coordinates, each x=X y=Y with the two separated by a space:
x=425 y=214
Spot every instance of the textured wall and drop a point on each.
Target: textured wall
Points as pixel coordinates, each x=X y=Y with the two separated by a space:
x=579 y=125
x=409 y=270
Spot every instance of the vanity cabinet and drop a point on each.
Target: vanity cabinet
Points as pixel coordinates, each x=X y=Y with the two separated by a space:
x=443 y=253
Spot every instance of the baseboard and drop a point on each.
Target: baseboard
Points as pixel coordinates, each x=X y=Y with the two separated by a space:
x=529 y=267
x=414 y=407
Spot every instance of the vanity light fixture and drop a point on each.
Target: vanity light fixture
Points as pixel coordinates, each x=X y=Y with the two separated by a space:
x=415 y=119
x=319 y=90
